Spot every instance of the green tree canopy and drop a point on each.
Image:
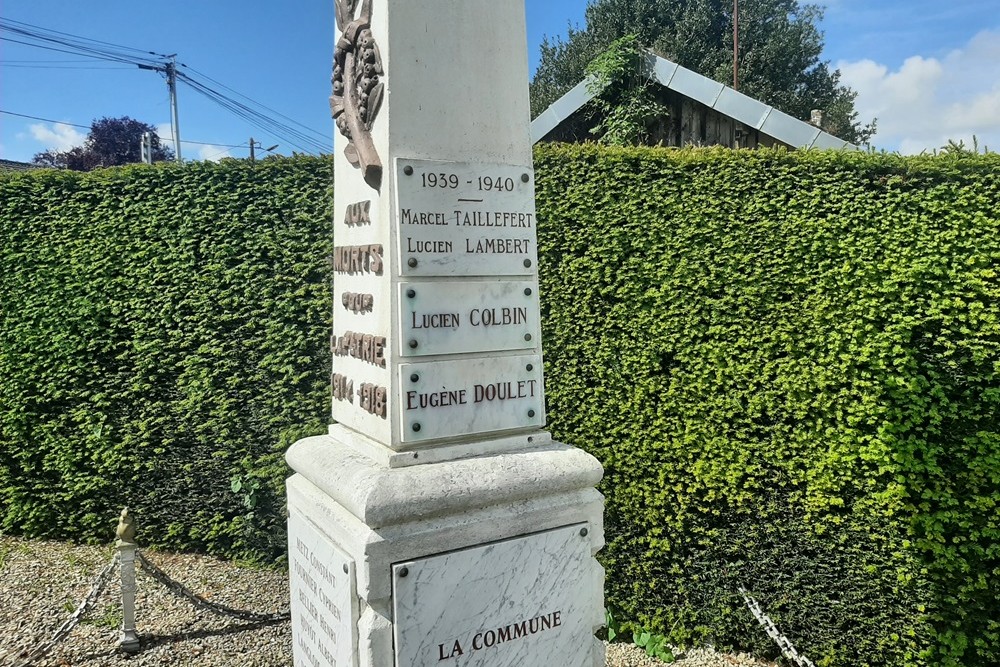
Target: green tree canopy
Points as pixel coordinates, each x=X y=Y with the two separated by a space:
x=779 y=53
x=110 y=142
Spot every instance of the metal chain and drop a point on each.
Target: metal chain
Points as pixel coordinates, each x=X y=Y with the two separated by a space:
x=787 y=649
x=85 y=606
x=180 y=590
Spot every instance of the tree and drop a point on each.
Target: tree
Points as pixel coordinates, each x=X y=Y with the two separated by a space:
x=779 y=53
x=110 y=142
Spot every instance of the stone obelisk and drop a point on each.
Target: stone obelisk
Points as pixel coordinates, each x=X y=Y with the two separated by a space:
x=437 y=522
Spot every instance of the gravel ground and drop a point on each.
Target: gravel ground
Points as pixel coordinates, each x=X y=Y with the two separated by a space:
x=42 y=582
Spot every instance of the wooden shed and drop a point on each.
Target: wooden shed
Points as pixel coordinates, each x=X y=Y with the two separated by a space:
x=703 y=112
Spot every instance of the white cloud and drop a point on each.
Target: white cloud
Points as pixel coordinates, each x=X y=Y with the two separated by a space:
x=191 y=151
x=163 y=131
x=214 y=153
x=929 y=101
x=59 y=137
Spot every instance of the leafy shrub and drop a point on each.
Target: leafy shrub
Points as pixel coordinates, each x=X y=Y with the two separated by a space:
x=788 y=364
x=162 y=331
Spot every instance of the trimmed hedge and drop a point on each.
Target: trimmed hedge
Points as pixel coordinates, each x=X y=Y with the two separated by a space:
x=787 y=363
x=163 y=339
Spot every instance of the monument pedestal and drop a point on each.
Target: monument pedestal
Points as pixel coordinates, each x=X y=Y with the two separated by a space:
x=480 y=561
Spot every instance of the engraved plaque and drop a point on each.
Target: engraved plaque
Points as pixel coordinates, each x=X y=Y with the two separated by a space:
x=451 y=318
x=517 y=603
x=443 y=399
x=323 y=600
x=464 y=219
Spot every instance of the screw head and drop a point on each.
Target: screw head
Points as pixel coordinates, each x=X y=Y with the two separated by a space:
x=411 y=293
x=412 y=262
x=414 y=377
x=416 y=455
x=527 y=263
x=527 y=291
x=416 y=427
x=583 y=532
x=346 y=569
x=527 y=336
x=408 y=170
x=531 y=413
x=404 y=571
x=529 y=367
x=413 y=344
x=525 y=178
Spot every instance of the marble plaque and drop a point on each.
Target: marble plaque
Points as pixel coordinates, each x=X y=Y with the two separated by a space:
x=323 y=599
x=518 y=603
x=444 y=399
x=464 y=219
x=451 y=318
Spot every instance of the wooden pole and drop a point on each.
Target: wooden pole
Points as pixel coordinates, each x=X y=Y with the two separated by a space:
x=736 y=44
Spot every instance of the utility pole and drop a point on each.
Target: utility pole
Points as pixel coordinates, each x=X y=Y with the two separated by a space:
x=256 y=144
x=170 y=69
x=736 y=44
x=146 y=149
x=175 y=129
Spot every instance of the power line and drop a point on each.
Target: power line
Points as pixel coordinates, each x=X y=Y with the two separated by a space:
x=76 y=67
x=87 y=127
x=47 y=120
x=89 y=39
x=305 y=139
x=219 y=83
x=83 y=45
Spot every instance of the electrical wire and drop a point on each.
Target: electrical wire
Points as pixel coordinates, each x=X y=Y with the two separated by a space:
x=305 y=139
x=283 y=131
x=82 y=46
x=324 y=138
x=87 y=127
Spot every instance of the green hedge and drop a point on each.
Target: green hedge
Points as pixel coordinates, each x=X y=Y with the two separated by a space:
x=163 y=338
x=787 y=362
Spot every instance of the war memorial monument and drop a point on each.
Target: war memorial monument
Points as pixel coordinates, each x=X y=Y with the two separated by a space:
x=437 y=523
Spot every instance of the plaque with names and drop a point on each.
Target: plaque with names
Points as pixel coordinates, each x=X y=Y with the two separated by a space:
x=464 y=397
x=517 y=603
x=323 y=600
x=465 y=219
x=461 y=317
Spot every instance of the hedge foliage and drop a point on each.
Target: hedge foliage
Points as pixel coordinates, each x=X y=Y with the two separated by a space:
x=787 y=362
x=163 y=339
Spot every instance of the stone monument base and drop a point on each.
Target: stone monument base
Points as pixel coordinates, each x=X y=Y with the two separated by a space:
x=486 y=560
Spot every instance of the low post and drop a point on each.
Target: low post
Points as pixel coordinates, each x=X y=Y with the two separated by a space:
x=129 y=641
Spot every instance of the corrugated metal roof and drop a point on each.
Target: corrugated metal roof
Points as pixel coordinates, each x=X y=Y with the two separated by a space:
x=716 y=96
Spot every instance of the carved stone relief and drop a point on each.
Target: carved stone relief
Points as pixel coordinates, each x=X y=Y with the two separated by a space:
x=357 y=87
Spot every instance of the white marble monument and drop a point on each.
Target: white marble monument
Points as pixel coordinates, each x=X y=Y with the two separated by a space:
x=437 y=523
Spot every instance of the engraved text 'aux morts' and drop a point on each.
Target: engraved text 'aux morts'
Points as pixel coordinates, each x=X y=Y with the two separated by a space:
x=355 y=259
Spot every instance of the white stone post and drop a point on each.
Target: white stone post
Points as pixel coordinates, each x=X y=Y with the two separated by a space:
x=129 y=640
x=437 y=523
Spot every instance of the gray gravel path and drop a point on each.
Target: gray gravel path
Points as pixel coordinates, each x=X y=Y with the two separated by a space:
x=42 y=582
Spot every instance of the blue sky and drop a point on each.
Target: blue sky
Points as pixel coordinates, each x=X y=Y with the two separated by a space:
x=929 y=71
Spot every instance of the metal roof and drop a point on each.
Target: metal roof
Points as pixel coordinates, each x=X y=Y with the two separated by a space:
x=714 y=95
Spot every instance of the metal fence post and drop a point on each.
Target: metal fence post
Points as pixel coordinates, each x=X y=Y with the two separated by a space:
x=129 y=641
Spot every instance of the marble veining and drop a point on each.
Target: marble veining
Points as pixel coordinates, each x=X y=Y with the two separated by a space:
x=442 y=399
x=323 y=601
x=516 y=603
